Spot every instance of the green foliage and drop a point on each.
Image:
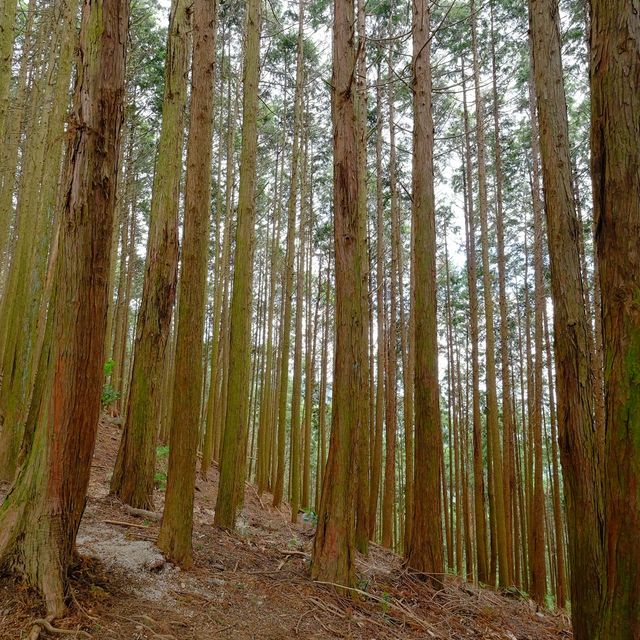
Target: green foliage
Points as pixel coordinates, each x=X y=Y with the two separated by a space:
x=162 y=451
x=309 y=515
x=386 y=599
x=109 y=395
x=160 y=480
x=108 y=367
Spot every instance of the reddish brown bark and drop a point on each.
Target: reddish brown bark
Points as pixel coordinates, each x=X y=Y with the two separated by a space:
x=40 y=517
x=615 y=120
x=334 y=544
x=575 y=398
x=425 y=553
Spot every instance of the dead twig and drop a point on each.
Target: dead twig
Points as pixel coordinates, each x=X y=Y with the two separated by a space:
x=329 y=629
x=121 y=523
x=387 y=603
x=217 y=631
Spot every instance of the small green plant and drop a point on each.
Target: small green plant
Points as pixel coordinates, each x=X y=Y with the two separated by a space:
x=309 y=515
x=109 y=394
x=162 y=451
x=386 y=599
x=108 y=367
x=160 y=480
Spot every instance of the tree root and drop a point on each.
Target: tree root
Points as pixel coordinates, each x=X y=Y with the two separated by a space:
x=41 y=623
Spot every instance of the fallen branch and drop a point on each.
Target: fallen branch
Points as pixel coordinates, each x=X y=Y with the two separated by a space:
x=121 y=523
x=143 y=513
x=286 y=552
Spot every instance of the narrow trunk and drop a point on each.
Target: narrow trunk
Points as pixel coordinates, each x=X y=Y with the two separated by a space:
x=233 y=463
x=174 y=538
x=133 y=476
x=333 y=557
x=425 y=553
x=536 y=522
x=493 y=432
x=478 y=474
x=287 y=293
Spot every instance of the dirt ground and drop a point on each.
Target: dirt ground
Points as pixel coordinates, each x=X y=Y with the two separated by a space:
x=250 y=584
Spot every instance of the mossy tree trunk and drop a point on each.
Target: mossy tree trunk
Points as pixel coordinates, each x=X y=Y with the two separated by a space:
x=40 y=516
x=233 y=463
x=177 y=522
x=133 y=476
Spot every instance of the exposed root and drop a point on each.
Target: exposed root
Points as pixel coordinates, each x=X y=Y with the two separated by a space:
x=41 y=624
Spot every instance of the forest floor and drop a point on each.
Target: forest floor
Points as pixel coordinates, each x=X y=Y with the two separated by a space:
x=250 y=584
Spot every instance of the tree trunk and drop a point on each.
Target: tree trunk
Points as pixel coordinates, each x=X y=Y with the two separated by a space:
x=334 y=544
x=493 y=433
x=233 y=463
x=560 y=586
x=174 y=538
x=578 y=440
x=507 y=409
x=376 y=462
x=362 y=507
x=391 y=361
x=478 y=476
x=425 y=553
x=287 y=293
x=537 y=512
x=40 y=516
x=615 y=111
x=133 y=475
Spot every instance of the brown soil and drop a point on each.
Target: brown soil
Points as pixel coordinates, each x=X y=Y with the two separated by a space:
x=251 y=584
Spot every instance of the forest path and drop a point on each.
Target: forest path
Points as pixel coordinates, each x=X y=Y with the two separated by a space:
x=251 y=584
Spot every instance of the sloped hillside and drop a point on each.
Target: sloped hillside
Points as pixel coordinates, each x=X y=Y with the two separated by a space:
x=249 y=584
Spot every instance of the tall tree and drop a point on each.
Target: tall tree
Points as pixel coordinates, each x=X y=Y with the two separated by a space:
x=40 y=516
x=177 y=521
x=493 y=432
x=615 y=162
x=537 y=562
x=391 y=359
x=134 y=471
x=578 y=438
x=333 y=557
x=507 y=409
x=376 y=458
x=472 y=278
x=425 y=552
x=232 y=469
x=287 y=294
